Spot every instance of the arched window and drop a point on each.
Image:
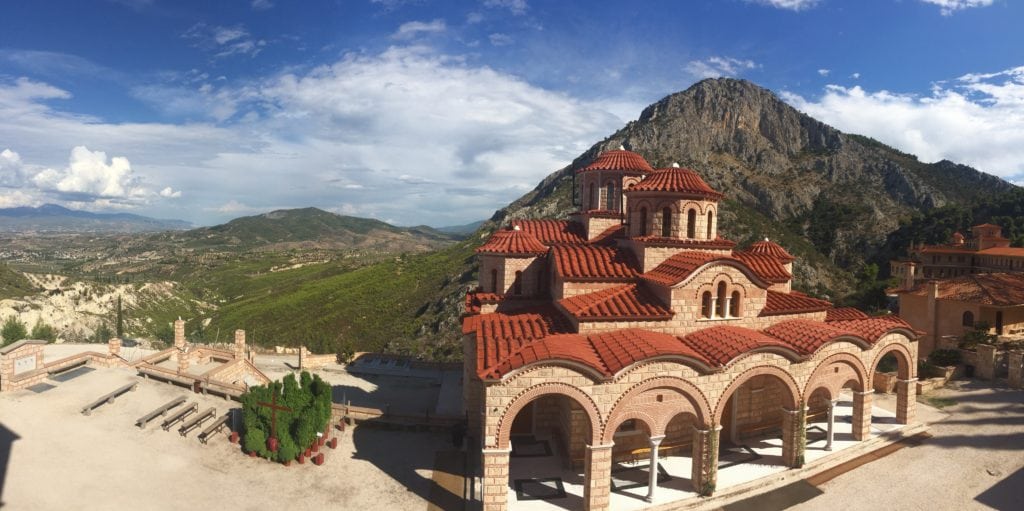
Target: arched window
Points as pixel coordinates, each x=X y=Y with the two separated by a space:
x=609 y=196
x=711 y=218
x=691 y=224
x=968 y=319
x=643 y=222
x=593 y=197
x=517 y=286
x=494 y=281
x=666 y=222
x=734 y=305
x=721 y=300
x=705 y=305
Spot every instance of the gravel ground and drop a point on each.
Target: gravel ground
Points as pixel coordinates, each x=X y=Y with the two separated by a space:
x=975 y=460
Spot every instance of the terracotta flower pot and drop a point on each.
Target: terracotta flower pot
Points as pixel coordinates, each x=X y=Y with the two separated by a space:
x=333 y=443
x=306 y=453
x=234 y=437
x=321 y=440
x=287 y=463
x=252 y=454
x=302 y=459
x=316 y=447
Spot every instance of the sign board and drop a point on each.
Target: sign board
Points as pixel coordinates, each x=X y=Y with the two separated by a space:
x=24 y=364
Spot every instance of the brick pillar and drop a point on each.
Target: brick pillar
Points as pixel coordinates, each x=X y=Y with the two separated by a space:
x=114 y=345
x=1016 y=361
x=906 y=400
x=239 y=344
x=986 y=369
x=179 y=334
x=705 y=460
x=862 y=415
x=597 y=477
x=794 y=436
x=495 y=479
x=303 y=353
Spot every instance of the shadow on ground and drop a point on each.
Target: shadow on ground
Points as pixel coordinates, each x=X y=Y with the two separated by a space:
x=7 y=439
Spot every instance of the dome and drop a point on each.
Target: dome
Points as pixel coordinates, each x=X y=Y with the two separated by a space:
x=676 y=180
x=768 y=247
x=620 y=159
x=514 y=241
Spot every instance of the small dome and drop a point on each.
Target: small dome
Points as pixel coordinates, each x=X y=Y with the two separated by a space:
x=514 y=241
x=958 y=239
x=678 y=180
x=619 y=159
x=771 y=248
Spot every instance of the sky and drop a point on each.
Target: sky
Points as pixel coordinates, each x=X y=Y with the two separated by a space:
x=440 y=112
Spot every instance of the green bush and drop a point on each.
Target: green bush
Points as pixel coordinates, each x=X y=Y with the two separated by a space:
x=43 y=331
x=944 y=358
x=13 y=330
x=308 y=403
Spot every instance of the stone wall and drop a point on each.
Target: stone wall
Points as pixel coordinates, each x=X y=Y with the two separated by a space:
x=310 y=361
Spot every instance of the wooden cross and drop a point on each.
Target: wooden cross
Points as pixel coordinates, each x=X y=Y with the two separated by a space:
x=274 y=407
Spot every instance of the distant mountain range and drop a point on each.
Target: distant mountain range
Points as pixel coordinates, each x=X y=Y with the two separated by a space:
x=54 y=218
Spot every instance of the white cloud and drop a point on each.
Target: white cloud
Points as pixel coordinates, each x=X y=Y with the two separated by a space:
x=412 y=29
x=224 y=41
x=262 y=5
x=89 y=175
x=977 y=119
x=517 y=7
x=948 y=7
x=792 y=5
x=855 y=76
x=824 y=72
x=170 y=193
x=234 y=207
x=498 y=39
x=474 y=18
x=714 y=67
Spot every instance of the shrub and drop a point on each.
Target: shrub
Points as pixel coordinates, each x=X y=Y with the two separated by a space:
x=944 y=358
x=309 y=411
x=13 y=330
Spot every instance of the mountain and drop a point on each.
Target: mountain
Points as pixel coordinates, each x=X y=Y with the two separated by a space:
x=462 y=230
x=54 y=218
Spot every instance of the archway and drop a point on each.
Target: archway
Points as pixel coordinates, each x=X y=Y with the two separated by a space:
x=838 y=408
x=891 y=360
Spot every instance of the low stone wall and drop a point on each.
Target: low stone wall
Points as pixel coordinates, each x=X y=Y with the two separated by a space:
x=310 y=361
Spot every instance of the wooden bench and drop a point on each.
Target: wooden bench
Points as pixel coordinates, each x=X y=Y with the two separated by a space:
x=758 y=431
x=180 y=415
x=198 y=420
x=215 y=428
x=109 y=398
x=663 y=449
x=159 y=412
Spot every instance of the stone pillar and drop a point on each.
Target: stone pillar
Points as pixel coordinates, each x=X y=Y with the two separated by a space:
x=705 y=460
x=597 y=477
x=179 y=334
x=862 y=415
x=986 y=369
x=114 y=345
x=830 y=435
x=714 y=306
x=728 y=306
x=495 y=479
x=652 y=475
x=906 y=400
x=239 y=344
x=1016 y=362
x=794 y=436
x=303 y=353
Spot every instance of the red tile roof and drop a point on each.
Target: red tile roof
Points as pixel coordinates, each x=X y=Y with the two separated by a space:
x=792 y=303
x=620 y=159
x=806 y=336
x=570 y=347
x=676 y=180
x=767 y=247
x=513 y=241
x=1003 y=251
x=722 y=344
x=589 y=262
x=843 y=314
x=768 y=267
x=609 y=235
x=628 y=302
x=659 y=241
x=476 y=299
x=622 y=348
x=999 y=289
x=604 y=213
x=872 y=329
x=551 y=232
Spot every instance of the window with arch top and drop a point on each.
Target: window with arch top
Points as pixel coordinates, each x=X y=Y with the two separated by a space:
x=643 y=222
x=734 y=305
x=517 y=286
x=691 y=224
x=968 y=319
x=593 y=197
x=721 y=300
x=705 y=305
x=711 y=218
x=494 y=281
x=609 y=196
x=666 y=222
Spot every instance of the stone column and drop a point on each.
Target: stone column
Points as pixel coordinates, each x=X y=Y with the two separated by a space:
x=239 y=344
x=794 y=436
x=831 y=425
x=179 y=334
x=862 y=415
x=303 y=353
x=714 y=306
x=495 y=479
x=114 y=345
x=906 y=400
x=728 y=306
x=652 y=476
x=597 y=477
x=986 y=369
x=705 y=460
x=1016 y=361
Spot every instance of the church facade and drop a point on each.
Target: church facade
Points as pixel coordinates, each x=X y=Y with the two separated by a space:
x=635 y=329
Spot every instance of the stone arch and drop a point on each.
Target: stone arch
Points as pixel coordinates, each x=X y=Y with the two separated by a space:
x=615 y=422
x=793 y=399
x=697 y=399
x=525 y=397
x=906 y=369
x=819 y=373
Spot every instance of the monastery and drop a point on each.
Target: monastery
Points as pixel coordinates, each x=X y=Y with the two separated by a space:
x=635 y=330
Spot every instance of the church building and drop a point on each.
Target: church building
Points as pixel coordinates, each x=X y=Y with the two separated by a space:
x=635 y=332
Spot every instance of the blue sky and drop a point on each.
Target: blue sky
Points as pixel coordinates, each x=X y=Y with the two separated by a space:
x=426 y=111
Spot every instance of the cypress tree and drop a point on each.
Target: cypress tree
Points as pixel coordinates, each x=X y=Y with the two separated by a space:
x=120 y=319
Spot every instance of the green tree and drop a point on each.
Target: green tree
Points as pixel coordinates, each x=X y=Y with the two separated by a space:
x=13 y=330
x=43 y=331
x=120 y=319
x=103 y=333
